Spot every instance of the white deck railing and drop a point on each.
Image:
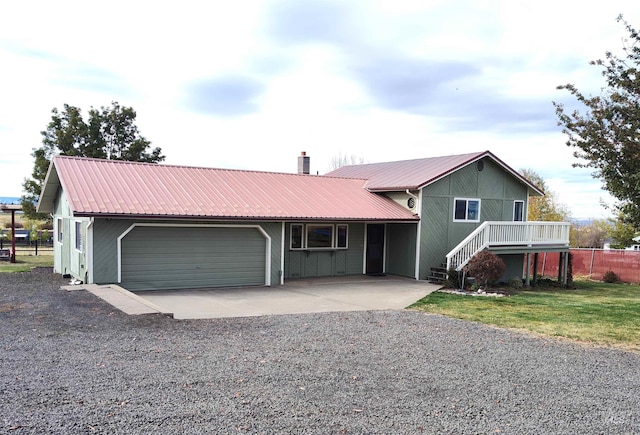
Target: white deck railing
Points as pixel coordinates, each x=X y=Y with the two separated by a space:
x=492 y=234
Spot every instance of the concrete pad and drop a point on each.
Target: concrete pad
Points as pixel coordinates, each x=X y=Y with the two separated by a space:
x=359 y=293
x=120 y=298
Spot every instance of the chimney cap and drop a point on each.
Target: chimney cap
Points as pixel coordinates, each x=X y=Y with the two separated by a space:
x=304 y=153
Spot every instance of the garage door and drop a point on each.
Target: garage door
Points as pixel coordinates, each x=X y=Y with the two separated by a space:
x=156 y=258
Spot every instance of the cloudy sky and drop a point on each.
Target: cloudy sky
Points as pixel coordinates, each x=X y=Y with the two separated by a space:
x=251 y=84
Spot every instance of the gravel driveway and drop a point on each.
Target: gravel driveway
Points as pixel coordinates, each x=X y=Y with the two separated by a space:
x=70 y=363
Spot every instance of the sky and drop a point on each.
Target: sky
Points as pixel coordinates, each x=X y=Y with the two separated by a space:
x=252 y=84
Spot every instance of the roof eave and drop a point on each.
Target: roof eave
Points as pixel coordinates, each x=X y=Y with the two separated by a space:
x=413 y=218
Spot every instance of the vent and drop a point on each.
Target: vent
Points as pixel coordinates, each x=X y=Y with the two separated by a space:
x=480 y=165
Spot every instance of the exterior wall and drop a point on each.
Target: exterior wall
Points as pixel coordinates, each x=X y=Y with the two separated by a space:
x=401 y=249
x=107 y=231
x=514 y=266
x=402 y=198
x=332 y=262
x=497 y=191
x=68 y=259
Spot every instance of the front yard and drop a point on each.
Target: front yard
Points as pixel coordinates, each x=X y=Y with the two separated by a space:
x=25 y=263
x=594 y=312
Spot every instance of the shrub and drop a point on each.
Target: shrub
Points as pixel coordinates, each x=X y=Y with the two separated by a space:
x=486 y=268
x=516 y=282
x=610 y=277
x=454 y=279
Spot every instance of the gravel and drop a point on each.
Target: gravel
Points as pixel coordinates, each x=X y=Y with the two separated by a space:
x=70 y=363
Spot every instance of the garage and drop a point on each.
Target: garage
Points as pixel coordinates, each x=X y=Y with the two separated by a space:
x=157 y=257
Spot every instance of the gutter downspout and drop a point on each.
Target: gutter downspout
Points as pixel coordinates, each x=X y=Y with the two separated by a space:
x=90 y=251
x=416 y=271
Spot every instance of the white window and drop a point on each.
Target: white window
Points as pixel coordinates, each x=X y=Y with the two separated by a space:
x=296 y=236
x=319 y=236
x=342 y=236
x=59 y=230
x=518 y=211
x=466 y=210
x=78 y=231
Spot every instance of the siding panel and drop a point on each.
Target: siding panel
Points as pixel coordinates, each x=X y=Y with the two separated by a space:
x=169 y=258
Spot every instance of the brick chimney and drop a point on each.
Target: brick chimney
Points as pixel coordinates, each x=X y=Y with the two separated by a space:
x=303 y=163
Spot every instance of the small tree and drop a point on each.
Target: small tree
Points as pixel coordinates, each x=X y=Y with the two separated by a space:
x=486 y=268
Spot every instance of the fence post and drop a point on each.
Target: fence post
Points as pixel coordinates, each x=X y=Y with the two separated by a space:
x=36 y=247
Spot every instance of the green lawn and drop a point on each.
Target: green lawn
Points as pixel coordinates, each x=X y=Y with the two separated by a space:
x=595 y=312
x=25 y=263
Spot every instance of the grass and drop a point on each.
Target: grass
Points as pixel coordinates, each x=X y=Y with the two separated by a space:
x=24 y=263
x=594 y=312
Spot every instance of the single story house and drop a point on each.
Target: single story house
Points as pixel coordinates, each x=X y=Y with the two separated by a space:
x=155 y=226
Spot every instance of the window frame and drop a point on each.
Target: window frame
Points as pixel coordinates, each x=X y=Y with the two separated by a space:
x=515 y=203
x=291 y=246
x=59 y=230
x=79 y=240
x=346 y=236
x=466 y=209
x=305 y=230
x=310 y=227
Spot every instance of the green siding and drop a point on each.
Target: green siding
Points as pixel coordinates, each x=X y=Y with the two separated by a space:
x=309 y=263
x=67 y=259
x=401 y=249
x=495 y=188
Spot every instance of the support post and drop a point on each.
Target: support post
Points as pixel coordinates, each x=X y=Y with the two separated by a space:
x=535 y=269
x=566 y=268
x=560 y=263
x=528 y=268
x=13 y=236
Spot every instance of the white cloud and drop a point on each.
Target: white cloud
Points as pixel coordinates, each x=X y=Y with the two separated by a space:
x=381 y=80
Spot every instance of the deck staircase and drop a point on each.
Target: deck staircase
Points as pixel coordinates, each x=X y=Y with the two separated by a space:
x=504 y=235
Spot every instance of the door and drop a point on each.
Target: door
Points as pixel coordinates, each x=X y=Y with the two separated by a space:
x=155 y=258
x=375 y=249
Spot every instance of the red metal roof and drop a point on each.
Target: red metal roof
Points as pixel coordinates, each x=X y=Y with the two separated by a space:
x=116 y=188
x=417 y=173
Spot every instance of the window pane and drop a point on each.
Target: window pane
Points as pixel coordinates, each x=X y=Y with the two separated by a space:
x=79 y=236
x=319 y=236
x=473 y=210
x=461 y=208
x=296 y=236
x=342 y=236
x=518 y=211
x=59 y=221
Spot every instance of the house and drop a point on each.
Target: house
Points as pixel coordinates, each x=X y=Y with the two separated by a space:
x=148 y=226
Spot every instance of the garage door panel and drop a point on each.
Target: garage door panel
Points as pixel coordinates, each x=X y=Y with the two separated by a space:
x=187 y=257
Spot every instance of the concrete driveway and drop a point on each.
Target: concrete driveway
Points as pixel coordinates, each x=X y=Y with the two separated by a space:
x=357 y=293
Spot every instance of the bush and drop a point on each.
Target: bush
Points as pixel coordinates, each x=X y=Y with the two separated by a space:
x=486 y=268
x=516 y=282
x=454 y=279
x=610 y=277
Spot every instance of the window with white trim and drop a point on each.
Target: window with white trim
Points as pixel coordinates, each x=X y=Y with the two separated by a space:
x=318 y=236
x=466 y=210
x=342 y=236
x=78 y=234
x=518 y=211
x=59 y=230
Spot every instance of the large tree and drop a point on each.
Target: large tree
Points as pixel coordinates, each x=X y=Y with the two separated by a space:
x=547 y=207
x=109 y=133
x=606 y=137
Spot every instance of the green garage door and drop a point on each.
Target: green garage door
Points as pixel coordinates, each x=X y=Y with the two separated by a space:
x=156 y=258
